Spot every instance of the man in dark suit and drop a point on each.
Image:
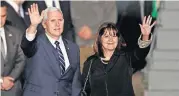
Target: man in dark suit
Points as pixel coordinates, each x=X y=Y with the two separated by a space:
x=53 y=65
x=15 y=14
x=65 y=8
x=12 y=57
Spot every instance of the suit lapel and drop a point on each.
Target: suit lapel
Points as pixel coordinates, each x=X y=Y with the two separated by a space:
x=10 y=44
x=68 y=50
x=50 y=50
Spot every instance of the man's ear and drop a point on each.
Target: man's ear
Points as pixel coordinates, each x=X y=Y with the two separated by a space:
x=44 y=24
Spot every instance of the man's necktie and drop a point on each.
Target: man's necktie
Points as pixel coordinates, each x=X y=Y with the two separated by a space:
x=60 y=57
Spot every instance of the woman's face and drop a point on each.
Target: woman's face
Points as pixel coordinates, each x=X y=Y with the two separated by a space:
x=109 y=40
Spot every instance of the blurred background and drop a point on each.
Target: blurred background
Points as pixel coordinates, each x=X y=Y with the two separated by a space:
x=158 y=74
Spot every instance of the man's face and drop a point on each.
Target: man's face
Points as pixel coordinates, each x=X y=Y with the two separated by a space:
x=54 y=24
x=3 y=14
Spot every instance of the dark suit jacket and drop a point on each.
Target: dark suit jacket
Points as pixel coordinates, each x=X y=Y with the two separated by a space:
x=65 y=7
x=14 y=62
x=42 y=73
x=15 y=20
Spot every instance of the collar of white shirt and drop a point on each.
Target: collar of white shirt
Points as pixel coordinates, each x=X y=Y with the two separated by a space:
x=52 y=41
x=62 y=46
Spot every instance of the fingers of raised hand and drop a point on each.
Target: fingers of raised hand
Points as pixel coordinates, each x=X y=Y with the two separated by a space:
x=148 y=20
x=42 y=15
x=36 y=8
x=33 y=9
x=153 y=24
x=144 y=20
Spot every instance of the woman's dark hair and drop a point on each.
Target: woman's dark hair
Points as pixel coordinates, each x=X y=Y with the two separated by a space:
x=98 y=44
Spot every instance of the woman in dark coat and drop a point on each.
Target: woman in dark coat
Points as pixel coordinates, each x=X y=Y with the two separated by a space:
x=111 y=68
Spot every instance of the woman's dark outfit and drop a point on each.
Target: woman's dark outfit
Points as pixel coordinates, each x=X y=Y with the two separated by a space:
x=116 y=78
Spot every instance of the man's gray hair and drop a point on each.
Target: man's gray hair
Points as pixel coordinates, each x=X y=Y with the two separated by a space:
x=50 y=9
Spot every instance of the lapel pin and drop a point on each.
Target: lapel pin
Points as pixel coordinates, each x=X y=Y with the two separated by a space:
x=10 y=35
x=26 y=13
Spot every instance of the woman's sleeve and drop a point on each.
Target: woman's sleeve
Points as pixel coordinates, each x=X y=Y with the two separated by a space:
x=140 y=52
